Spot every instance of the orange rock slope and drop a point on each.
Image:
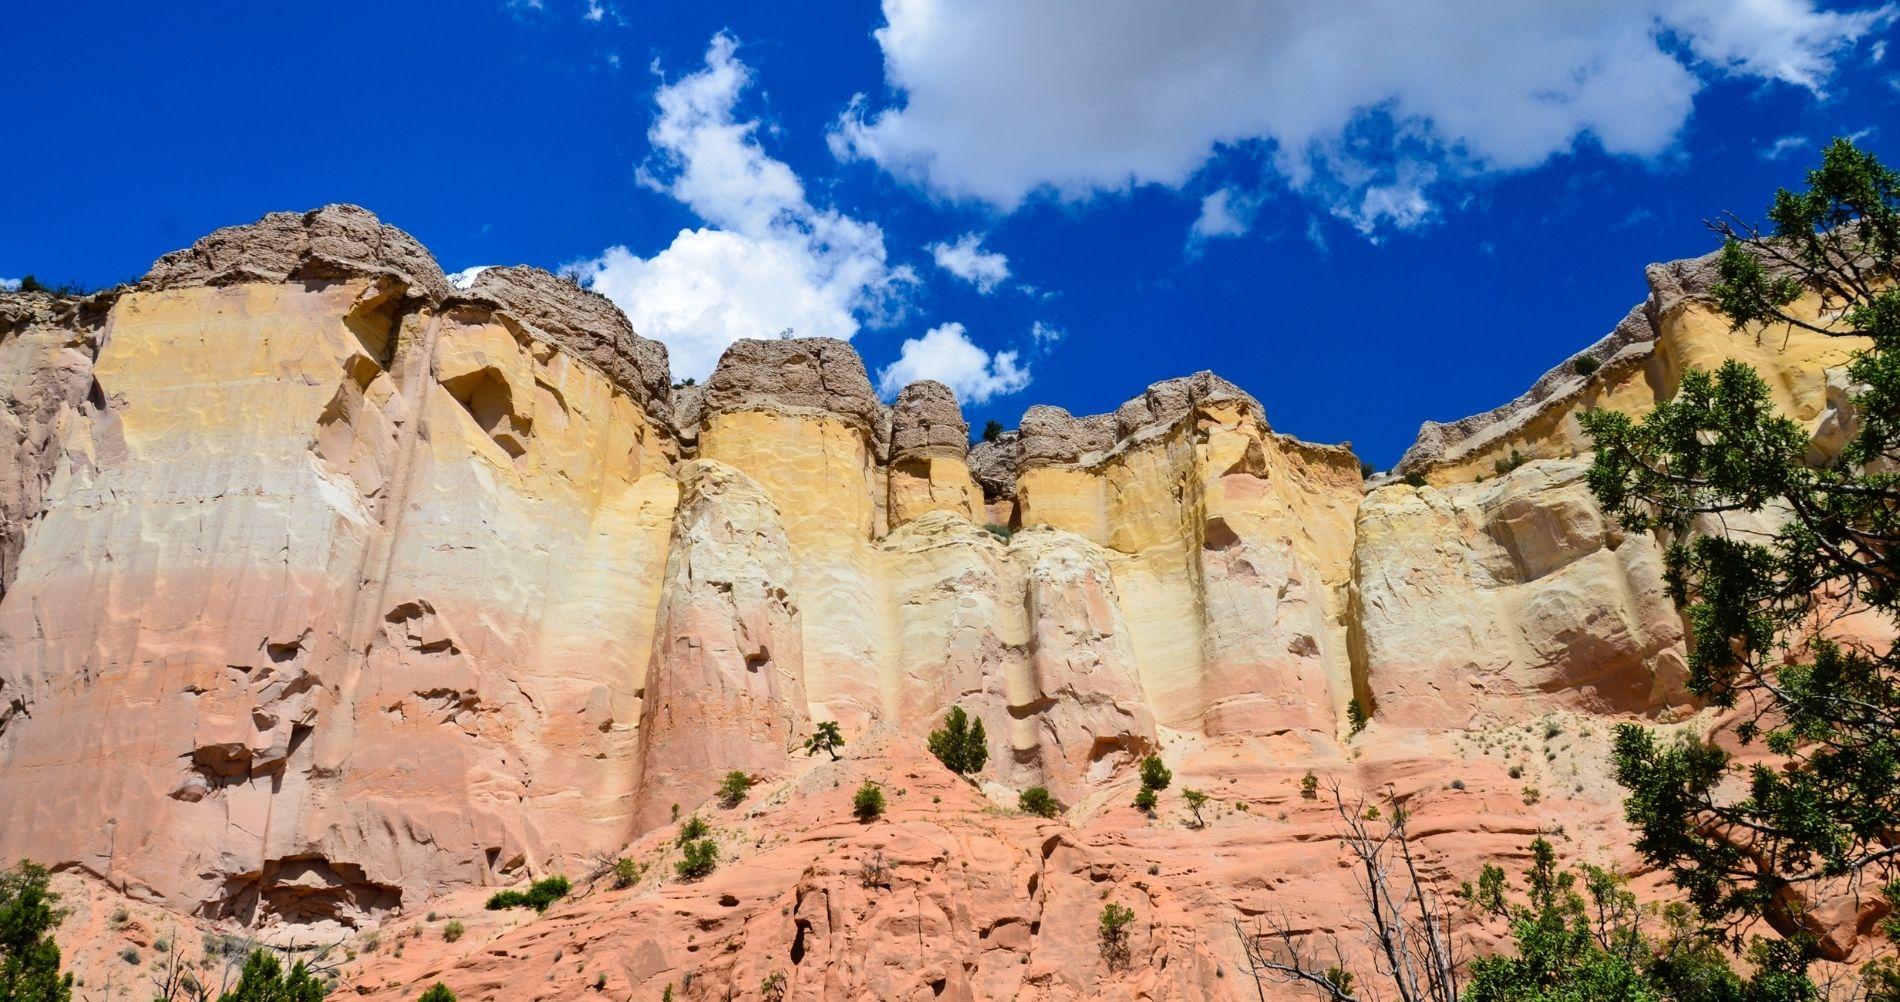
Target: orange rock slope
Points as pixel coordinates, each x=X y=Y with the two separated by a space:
x=334 y=596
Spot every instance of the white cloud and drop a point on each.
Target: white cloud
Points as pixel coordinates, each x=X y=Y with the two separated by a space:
x=1225 y=213
x=1781 y=148
x=1044 y=335
x=946 y=354
x=767 y=260
x=9 y=284
x=595 y=12
x=967 y=260
x=1364 y=105
x=466 y=277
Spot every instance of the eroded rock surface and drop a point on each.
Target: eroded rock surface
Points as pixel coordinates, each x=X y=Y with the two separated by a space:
x=330 y=594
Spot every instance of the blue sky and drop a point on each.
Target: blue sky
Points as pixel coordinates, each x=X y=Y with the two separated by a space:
x=1366 y=214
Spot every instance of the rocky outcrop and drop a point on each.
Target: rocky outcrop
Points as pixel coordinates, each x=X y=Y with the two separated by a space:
x=334 y=242
x=329 y=592
x=581 y=323
x=1545 y=602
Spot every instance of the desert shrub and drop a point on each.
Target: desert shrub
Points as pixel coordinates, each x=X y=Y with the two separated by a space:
x=868 y=803
x=1036 y=800
x=1585 y=366
x=1195 y=801
x=439 y=993
x=961 y=745
x=825 y=738
x=453 y=931
x=1415 y=480
x=992 y=430
x=264 y=980
x=1309 y=786
x=692 y=830
x=1002 y=532
x=1508 y=463
x=733 y=790
x=1356 y=716
x=626 y=873
x=1112 y=930
x=1155 y=775
x=538 y=896
x=700 y=858
x=1145 y=800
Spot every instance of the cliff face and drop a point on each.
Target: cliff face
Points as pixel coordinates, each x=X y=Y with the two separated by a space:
x=328 y=590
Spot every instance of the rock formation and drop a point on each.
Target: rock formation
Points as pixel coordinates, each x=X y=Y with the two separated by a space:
x=331 y=594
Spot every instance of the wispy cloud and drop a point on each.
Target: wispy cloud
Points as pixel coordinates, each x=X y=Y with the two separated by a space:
x=1781 y=148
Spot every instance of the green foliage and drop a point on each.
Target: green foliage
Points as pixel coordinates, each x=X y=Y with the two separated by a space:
x=868 y=803
x=29 y=959
x=772 y=987
x=453 y=930
x=1309 y=786
x=1415 y=480
x=1154 y=774
x=264 y=980
x=1195 y=801
x=1508 y=463
x=1002 y=532
x=695 y=827
x=1145 y=800
x=626 y=873
x=992 y=430
x=1356 y=716
x=1112 y=931
x=733 y=789
x=538 y=896
x=698 y=859
x=439 y=993
x=1585 y=366
x=1036 y=800
x=1820 y=802
x=825 y=738
x=62 y=290
x=961 y=745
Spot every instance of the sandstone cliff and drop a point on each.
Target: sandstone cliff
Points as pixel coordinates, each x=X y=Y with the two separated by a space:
x=330 y=593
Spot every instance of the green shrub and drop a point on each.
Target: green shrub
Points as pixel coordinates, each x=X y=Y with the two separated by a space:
x=439 y=993
x=733 y=790
x=693 y=829
x=1195 y=801
x=825 y=738
x=700 y=859
x=626 y=873
x=961 y=745
x=1036 y=800
x=1113 y=932
x=868 y=802
x=539 y=895
x=1145 y=801
x=1154 y=774
x=992 y=430
x=1002 y=532
x=1508 y=463
x=1415 y=480
x=453 y=931
x=264 y=980
x=1585 y=366
x=1309 y=786
x=1356 y=716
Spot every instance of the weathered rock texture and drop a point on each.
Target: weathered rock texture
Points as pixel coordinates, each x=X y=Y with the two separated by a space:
x=330 y=594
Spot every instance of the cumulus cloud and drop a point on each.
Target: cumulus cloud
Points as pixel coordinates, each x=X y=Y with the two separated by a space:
x=1225 y=213
x=967 y=260
x=9 y=284
x=767 y=259
x=946 y=354
x=1367 y=106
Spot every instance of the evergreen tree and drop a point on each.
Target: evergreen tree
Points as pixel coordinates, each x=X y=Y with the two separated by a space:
x=264 y=980
x=29 y=959
x=1822 y=803
x=961 y=745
